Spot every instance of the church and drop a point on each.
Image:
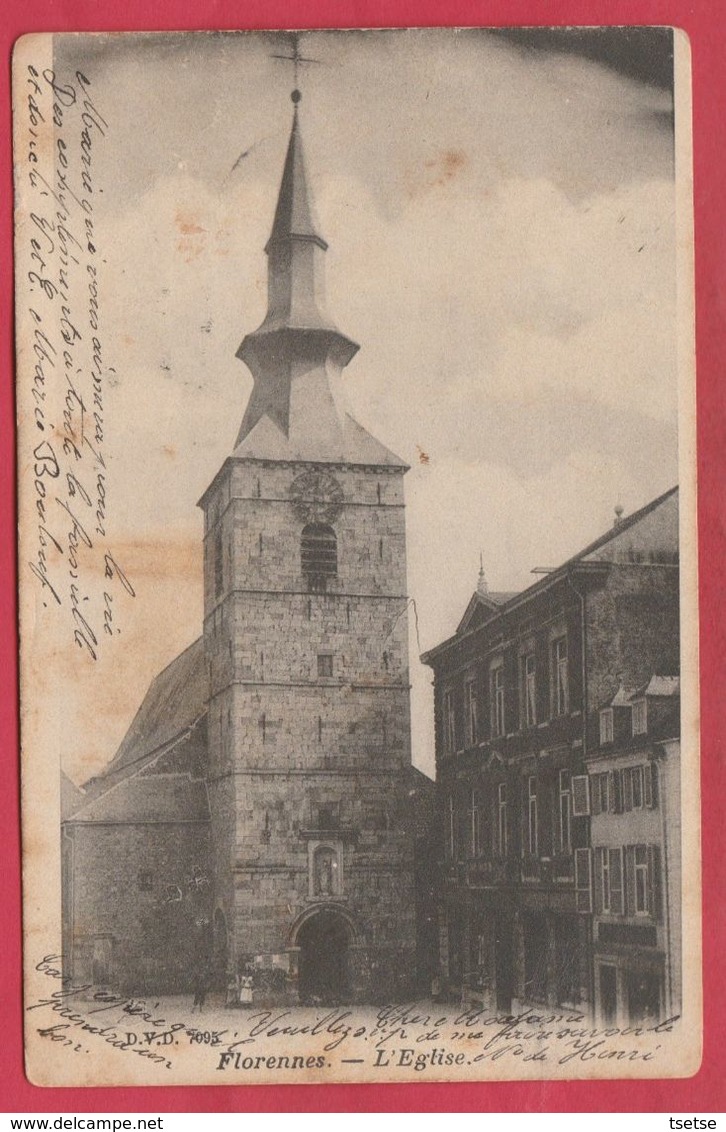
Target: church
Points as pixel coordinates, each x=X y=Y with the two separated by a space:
x=259 y=817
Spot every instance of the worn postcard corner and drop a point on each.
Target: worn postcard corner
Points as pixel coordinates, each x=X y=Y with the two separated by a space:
x=357 y=560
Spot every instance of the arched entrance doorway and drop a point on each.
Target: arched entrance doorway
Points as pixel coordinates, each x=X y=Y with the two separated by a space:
x=324 y=940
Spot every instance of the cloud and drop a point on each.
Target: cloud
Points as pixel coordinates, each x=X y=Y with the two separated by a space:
x=502 y=246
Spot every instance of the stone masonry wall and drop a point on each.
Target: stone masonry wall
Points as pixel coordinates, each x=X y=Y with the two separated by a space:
x=292 y=749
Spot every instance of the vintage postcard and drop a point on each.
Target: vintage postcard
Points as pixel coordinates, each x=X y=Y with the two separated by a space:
x=355 y=388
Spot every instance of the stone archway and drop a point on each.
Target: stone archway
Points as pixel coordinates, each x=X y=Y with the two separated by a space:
x=324 y=940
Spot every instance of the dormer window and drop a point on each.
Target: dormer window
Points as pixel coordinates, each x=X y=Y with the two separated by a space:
x=640 y=717
x=606 y=726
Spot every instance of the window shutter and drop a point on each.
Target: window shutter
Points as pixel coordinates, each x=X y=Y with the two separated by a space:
x=650 y=785
x=599 y=855
x=629 y=853
x=511 y=704
x=580 y=795
x=627 y=777
x=542 y=683
x=595 y=794
x=616 y=792
x=654 y=882
x=616 y=882
x=583 y=880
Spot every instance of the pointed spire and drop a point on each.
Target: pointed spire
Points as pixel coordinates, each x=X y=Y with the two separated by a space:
x=482 y=587
x=295 y=215
x=296 y=257
x=297 y=409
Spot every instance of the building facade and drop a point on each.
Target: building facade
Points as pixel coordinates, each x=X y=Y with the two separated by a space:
x=634 y=784
x=280 y=742
x=306 y=640
x=518 y=690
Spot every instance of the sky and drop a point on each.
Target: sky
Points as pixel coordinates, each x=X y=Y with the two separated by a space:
x=500 y=214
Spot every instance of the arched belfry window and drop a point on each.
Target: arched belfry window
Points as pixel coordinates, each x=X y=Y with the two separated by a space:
x=319 y=555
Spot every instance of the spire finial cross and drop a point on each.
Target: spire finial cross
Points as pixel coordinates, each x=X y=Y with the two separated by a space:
x=297 y=61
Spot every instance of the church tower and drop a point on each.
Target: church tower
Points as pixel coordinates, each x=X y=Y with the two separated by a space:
x=306 y=641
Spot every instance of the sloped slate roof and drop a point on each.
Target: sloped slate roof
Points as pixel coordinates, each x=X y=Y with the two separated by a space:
x=616 y=533
x=346 y=442
x=482 y=605
x=71 y=796
x=136 y=799
x=663 y=686
x=422 y=802
x=588 y=553
x=176 y=699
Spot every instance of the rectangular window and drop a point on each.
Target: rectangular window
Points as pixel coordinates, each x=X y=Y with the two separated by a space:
x=616 y=791
x=632 y=788
x=605 y=879
x=606 y=726
x=580 y=795
x=451 y=829
x=637 y=776
x=560 y=677
x=529 y=691
x=497 y=701
x=145 y=880
x=650 y=785
x=501 y=824
x=583 y=880
x=474 y=824
x=600 y=792
x=616 y=881
x=449 y=723
x=641 y=880
x=565 y=812
x=325 y=664
x=640 y=717
x=532 y=831
x=470 y=707
x=218 y=565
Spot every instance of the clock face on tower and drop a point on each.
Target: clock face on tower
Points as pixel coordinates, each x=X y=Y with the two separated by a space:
x=316 y=497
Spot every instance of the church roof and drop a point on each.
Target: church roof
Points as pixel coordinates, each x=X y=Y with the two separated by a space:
x=322 y=439
x=137 y=799
x=72 y=797
x=175 y=701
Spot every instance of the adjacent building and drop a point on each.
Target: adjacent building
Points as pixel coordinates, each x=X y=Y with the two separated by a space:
x=521 y=762
x=635 y=828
